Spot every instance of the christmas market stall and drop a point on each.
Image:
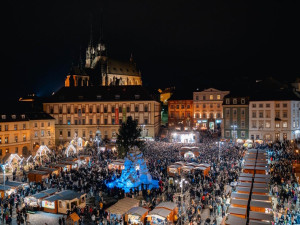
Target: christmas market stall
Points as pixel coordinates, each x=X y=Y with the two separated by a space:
x=34 y=202
x=63 y=201
x=119 y=209
x=165 y=212
x=136 y=215
x=117 y=164
x=174 y=170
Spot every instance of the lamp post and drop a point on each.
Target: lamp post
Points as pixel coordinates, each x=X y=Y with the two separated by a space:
x=235 y=134
x=3 y=168
x=181 y=196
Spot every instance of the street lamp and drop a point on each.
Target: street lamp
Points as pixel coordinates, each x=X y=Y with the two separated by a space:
x=181 y=196
x=235 y=134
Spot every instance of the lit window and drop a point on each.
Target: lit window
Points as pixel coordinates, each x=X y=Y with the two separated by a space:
x=211 y=97
x=218 y=97
x=242 y=101
x=285 y=124
x=234 y=101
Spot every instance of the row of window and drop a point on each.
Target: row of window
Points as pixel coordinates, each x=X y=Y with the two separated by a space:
x=234 y=122
x=188 y=114
x=180 y=106
x=267 y=124
x=234 y=134
x=211 y=97
x=268 y=105
x=268 y=136
x=16 y=139
x=12 y=116
x=206 y=115
x=105 y=109
x=90 y=122
x=235 y=113
x=6 y=127
x=210 y=105
x=235 y=101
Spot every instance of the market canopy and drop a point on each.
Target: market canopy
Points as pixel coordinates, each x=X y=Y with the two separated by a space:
x=167 y=205
x=139 y=211
x=261 y=216
x=123 y=206
x=233 y=220
x=162 y=212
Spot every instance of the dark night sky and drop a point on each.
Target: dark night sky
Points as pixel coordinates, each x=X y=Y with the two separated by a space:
x=181 y=43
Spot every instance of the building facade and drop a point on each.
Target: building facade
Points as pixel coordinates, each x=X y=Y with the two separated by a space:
x=24 y=133
x=180 y=114
x=274 y=120
x=236 y=117
x=208 y=111
x=84 y=110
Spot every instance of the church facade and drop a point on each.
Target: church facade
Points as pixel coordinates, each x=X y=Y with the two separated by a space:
x=101 y=70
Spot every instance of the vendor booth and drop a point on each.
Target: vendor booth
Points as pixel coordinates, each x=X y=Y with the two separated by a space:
x=235 y=195
x=174 y=170
x=261 y=206
x=234 y=220
x=239 y=203
x=165 y=212
x=11 y=187
x=37 y=175
x=5 y=190
x=136 y=216
x=117 y=165
x=238 y=212
x=34 y=202
x=119 y=209
x=261 y=217
x=52 y=171
x=63 y=201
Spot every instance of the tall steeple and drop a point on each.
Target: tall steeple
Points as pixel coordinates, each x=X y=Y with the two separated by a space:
x=90 y=51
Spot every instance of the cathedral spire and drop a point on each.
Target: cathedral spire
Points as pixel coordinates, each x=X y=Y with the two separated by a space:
x=91 y=37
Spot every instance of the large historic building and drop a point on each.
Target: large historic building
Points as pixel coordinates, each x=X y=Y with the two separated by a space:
x=84 y=110
x=23 y=133
x=236 y=117
x=208 y=111
x=101 y=70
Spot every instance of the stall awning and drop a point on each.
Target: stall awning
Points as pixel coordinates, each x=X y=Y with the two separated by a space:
x=260 y=204
x=233 y=220
x=139 y=211
x=167 y=205
x=256 y=222
x=122 y=206
x=261 y=216
x=160 y=212
x=237 y=210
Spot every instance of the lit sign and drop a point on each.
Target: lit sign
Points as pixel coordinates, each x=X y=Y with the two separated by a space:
x=202 y=121
x=49 y=205
x=218 y=121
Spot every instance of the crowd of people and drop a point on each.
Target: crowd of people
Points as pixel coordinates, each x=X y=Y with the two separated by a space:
x=210 y=193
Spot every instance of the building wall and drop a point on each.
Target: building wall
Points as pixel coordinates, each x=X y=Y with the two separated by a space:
x=272 y=120
x=85 y=118
x=208 y=108
x=15 y=136
x=42 y=132
x=180 y=113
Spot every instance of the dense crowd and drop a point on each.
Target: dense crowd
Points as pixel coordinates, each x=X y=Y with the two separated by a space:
x=210 y=192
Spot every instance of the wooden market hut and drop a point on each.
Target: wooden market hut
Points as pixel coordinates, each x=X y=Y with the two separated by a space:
x=256 y=222
x=238 y=212
x=261 y=197
x=136 y=216
x=262 y=217
x=245 y=179
x=244 y=184
x=239 y=203
x=164 y=211
x=120 y=208
x=37 y=175
x=51 y=171
x=260 y=191
x=73 y=219
x=35 y=201
x=246 y=175
x=63 y=201
x=116 y=165
x=234 y=220
x=235 y=195
x=260 y=185
x=260 y=206
x=174 y=170
x=249 y=169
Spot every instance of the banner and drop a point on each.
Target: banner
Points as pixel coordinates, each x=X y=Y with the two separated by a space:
x=124 y=114
x=117 y=115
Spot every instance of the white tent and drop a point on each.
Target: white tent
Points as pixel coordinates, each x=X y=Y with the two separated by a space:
x=42 y=151
x=122 y=206
x=72 y=148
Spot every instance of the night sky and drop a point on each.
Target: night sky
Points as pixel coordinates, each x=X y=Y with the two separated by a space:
x=186 y=44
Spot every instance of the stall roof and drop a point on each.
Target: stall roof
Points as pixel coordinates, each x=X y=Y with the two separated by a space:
x=244 y=184
x=140 y=211
x=256 y=222
x=41 y=172
x=39 y=195
x=261 y=180
x=239 y=202
x=248 y=167
x=234 y=220
x=237 y=210
x=50 y=191
x=262 y=175
x=239 y=195
x=260 y=185
x=167 y=205
x=205 y=164
x=64 y=195
x=246 y=175
x=261 y=204
x=4 y=188
x=245 y=189
x=14 y=183
x=123 y=205
x=261 y=197
x=47 y=169
x=260 y=190
x=245 y=179
x=261 y=216
x=160 y=212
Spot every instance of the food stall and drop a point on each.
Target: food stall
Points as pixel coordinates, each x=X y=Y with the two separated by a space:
x=63 y=201
x=34 y=202
x=5 y=190
x=234 y=220
x=136 y=216
x=60 y=166
x=120 y=208
x=238 y=212
x=11 y=187
x=37 y=175
x=239 y=203
x=174 y=170
x=260 y=191
x=266 y=198
x=163 y=212
x=261 y=217
x=261 y=206
x=117 y=165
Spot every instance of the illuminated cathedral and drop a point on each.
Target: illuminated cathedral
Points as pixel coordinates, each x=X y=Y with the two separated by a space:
x=101 y=70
